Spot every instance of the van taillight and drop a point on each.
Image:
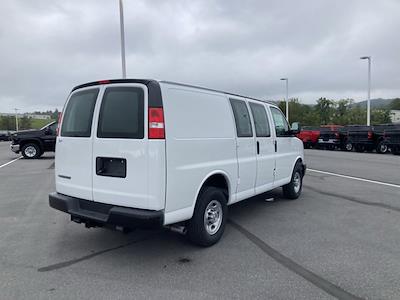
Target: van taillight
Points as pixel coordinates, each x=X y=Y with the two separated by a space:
x=337 y=135
x=370 y=135
x=59 y=123
x=156 y=123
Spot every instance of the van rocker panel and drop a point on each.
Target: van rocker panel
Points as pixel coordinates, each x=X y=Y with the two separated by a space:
x=100 y=214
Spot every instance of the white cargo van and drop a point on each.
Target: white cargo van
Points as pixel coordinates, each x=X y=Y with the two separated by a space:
x=133 y=153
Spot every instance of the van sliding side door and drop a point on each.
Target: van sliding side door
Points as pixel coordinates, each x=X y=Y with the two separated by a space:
x=246 y=149
x=265 y=147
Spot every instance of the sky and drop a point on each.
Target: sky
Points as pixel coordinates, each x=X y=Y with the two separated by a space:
x=244 y=47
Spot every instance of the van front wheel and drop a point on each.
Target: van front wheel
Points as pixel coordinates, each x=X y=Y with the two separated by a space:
x=209 y=218
x=292 y=190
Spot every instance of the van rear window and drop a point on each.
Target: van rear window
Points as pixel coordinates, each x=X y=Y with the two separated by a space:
x=77 y=118
x=122 y=113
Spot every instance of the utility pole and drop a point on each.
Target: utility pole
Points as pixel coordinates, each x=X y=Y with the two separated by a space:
x=16 y=119
x=121 y=21
x=369 y=90
x=287 y=97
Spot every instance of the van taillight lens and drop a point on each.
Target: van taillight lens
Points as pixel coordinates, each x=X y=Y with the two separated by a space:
x=156 y=123
x=59 y=123
x=369 y=135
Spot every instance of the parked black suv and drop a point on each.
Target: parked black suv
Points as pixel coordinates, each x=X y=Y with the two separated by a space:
x=379 y=136
x=329 y=137
x=392 y=139
x=357 y=137
x=4 y=136
x=33 y=143
x=365 y=138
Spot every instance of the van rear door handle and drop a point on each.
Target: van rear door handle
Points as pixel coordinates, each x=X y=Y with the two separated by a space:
x=258 y=147
x=276 y=146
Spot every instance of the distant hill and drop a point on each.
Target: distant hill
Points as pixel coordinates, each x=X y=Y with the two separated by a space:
x=375 y=103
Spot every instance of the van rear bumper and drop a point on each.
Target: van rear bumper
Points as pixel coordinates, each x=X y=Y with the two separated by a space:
x=99 y=214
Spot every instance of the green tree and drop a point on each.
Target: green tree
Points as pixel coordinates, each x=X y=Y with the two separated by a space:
x=380 y=116
x=7 y=123
x=342 y=111
x=395 y=104
x=25 y=123
x=324 y=110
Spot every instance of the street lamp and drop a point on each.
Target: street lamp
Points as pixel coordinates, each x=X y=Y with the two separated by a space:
x=121 y=21
x=287 y=97
x=369 y=89
x=16 y=119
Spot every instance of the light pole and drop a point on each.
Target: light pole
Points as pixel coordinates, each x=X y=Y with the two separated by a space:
x=287 y=97
x=369 y=89
x=16 y=119
x=121 y=21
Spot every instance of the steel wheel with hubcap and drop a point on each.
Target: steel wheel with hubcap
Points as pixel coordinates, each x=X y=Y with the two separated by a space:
x=31 y=151
x=292 y=190
x=296 y=182
x=213 y=217
x=207 y=225
x=349 y=146
x=382 y=147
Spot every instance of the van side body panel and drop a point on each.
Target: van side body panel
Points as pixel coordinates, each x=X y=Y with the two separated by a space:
x=200 y=140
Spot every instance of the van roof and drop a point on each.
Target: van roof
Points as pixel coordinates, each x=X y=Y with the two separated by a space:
x=152 y=82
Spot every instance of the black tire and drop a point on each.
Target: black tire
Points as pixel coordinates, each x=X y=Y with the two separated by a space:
x=396 y=150
x=31 y=151
x=382 y=147
x=359 y=148
x=291 y=190
x=197 y=231
x=348 y=146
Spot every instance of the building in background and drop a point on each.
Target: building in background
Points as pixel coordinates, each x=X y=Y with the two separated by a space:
x=395 y=115
x=28 y=115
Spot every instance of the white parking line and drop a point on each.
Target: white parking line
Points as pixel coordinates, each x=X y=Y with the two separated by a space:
x=355 y=178
x=10 y=162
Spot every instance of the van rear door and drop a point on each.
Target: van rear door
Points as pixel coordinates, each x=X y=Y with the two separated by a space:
x=73 y=163
x=120 y=147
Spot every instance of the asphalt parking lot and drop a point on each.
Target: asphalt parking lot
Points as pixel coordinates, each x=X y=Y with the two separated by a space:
x=341 y=239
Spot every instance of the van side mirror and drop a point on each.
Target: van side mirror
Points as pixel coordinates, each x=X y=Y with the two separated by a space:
x=295 y=128
x=47 y=131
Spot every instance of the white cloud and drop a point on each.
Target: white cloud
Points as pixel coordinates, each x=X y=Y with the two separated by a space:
x=49 y=46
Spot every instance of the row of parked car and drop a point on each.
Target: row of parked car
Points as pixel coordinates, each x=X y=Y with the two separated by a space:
x=5 y=135
x=381 y=138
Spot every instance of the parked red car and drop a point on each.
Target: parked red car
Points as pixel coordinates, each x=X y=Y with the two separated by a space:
x=309 y=135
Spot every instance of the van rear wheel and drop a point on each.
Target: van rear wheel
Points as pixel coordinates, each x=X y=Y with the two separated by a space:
x=209 y=218
x=292 y=190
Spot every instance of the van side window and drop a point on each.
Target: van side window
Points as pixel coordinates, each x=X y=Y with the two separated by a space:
x=77 y=118
x=122 y=113
x=260 y=120
x=242 y=118
x=281 y=125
